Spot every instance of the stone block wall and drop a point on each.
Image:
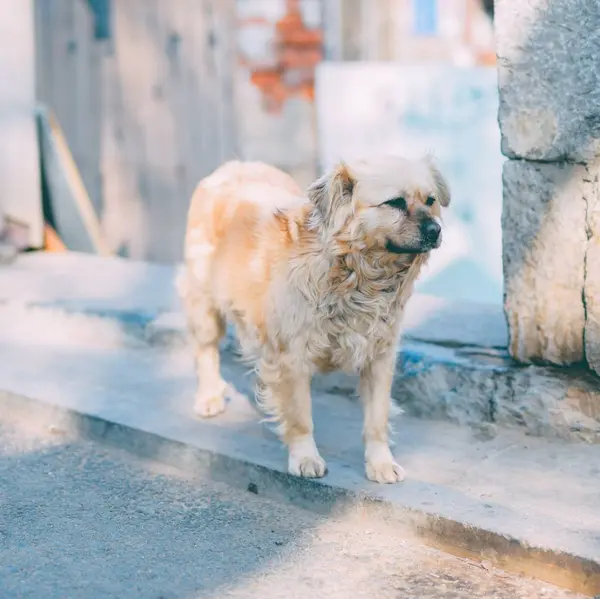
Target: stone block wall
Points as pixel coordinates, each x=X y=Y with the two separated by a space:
x=549 y=116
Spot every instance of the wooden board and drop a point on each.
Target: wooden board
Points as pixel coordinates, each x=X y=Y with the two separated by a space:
x=72 y=209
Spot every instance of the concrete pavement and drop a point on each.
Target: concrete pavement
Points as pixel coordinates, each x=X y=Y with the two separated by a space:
x=80 y=521
x=98 y=359
x=453 y=362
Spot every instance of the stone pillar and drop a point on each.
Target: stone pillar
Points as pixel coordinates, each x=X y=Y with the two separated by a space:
x=549 y=81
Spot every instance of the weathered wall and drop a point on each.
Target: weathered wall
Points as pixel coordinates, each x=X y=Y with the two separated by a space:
x=279 y=43
x=147 y=112
x=415 y=109
x=170 y=89
x=458 y=32
x=550 y=120
x=20 y=199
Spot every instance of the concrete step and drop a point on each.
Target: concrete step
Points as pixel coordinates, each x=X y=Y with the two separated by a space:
x=453 y=363
x=523 y=503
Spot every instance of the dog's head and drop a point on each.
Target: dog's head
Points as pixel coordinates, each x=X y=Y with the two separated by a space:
x=390 y=204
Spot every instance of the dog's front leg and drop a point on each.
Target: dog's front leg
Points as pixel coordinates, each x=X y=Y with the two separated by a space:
x=285 y=395
x=375 y=389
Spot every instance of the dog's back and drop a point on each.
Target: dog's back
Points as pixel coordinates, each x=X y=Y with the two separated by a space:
x=237 y=192
x=232 y=239
x=237 y=171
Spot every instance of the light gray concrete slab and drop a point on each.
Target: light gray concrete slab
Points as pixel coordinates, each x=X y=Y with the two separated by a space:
x=99 y=344
x=85 y=282
x=139 y=290
x=452 y=365
x=79 y=519
x=470 y=385
x=521 y=501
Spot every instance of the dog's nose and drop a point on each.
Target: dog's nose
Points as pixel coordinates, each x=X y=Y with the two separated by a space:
x=430 y=230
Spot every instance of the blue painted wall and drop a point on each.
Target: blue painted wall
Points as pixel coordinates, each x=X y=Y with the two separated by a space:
x=425 y=17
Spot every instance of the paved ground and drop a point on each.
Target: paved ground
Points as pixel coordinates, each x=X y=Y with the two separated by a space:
x=79 y=521
x=542 y=492
x=124 y=370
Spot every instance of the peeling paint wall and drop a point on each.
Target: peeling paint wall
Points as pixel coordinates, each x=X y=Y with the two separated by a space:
x=286 y=67
x=280 y=43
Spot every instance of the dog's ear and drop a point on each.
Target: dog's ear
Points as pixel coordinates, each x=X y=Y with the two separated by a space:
x=332 y=193
x=442 y=188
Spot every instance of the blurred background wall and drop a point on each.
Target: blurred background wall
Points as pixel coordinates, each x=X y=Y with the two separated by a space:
x=143 y=90
x=20 y=193
x=154 y=94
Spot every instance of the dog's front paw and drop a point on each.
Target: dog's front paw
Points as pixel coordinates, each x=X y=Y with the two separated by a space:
x=206 y=407
x=307 y=466
x=380 y=465
x=305 y=459
x=385 y=472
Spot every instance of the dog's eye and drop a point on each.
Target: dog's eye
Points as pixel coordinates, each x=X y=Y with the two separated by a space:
x=430 y=201
x=399 y=203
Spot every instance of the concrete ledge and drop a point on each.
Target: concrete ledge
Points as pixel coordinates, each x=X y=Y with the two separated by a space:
x=452 y=364
x=526 y=542
x=472 y=385
x=99 y=348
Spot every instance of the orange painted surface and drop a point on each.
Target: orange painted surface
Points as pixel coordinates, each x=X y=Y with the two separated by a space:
x=297 y=51
x=52 y=242
x=487 y=59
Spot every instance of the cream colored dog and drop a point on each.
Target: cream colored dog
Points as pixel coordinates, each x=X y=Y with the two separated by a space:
x=312 y=283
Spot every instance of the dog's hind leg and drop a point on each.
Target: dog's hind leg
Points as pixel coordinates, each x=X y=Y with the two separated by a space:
x=284 y=394
x=207 y=327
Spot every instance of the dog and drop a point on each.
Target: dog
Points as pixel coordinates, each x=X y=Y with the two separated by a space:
x=313 y=282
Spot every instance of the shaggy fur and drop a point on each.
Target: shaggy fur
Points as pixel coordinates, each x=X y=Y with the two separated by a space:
x=312 y=283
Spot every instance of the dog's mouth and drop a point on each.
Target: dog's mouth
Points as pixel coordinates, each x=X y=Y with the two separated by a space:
x=393 y=248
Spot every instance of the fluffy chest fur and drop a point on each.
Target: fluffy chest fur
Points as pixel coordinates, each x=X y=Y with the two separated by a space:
x=355 y=328
x=347 y=312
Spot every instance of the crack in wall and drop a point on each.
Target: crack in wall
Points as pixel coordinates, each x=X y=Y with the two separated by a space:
x=588 y=234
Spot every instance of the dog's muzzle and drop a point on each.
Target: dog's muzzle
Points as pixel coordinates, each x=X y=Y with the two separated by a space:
x=430 y=233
